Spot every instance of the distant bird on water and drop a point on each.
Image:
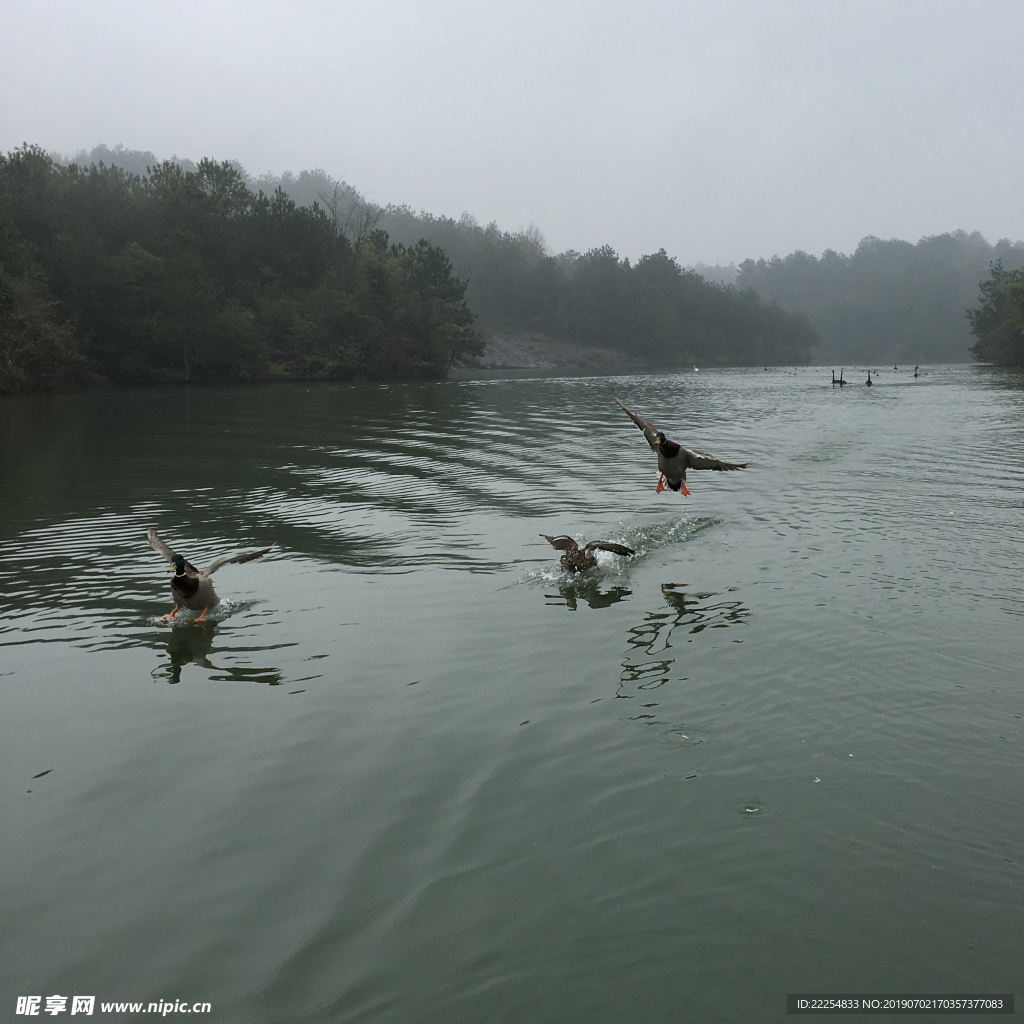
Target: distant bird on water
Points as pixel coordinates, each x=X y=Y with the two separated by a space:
x=673 y=459
x=839 y=380
x=868 y=381
x=915 y=371
x=191 y=587
x=579 y=559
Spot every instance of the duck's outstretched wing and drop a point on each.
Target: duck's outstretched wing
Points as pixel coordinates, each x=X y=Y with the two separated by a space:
x=157 y=543
x=606 y=545
x=242 y=556
x=701 y=460
x=648 y=429
x=561 y=543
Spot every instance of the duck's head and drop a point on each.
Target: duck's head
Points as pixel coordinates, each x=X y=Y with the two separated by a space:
x=660 y=437
x=179 y=565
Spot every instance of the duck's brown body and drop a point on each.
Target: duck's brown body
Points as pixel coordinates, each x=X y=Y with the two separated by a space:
x=579 y=559
x=193 y=589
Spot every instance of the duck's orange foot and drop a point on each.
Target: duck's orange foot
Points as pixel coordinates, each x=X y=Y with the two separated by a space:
x=202 y=614
x=661 y=484
x=682 y=488
x=169 y=615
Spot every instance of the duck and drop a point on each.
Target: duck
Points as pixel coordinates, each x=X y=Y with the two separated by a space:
x=868 y=381
x=673 y=459
x=191 y=587
x=579 y=559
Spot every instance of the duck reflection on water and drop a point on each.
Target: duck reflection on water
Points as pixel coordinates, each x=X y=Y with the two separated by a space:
x=588 y=589
x=699 y=611
x=648 y=663
x=194 y=645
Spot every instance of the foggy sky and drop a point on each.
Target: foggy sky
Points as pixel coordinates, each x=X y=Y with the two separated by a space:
x=716 y=130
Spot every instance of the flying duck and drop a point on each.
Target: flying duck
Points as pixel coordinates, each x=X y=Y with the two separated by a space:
x=192 y=587
x=579 y=559
x=673 y=459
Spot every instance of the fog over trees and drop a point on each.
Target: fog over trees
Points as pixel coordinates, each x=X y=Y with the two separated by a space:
x=189 y=275
x=653 y=308
x=998 y=319
x=117 y=267
x=890 y=301
x=200 y=272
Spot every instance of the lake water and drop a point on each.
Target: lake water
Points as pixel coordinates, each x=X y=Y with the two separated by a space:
x=410 y=772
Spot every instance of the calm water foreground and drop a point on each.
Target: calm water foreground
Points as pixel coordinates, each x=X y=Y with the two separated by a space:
x=409 y=772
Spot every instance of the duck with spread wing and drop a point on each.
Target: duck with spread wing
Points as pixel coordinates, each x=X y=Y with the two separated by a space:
x=673 y=459
x=579 y=559
x=191 y=587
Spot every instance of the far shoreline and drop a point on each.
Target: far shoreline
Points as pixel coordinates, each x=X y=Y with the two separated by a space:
x=469 y=374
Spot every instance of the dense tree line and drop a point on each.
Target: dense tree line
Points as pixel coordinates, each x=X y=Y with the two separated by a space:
x=116 y=267
x=998 y=319
x=190 y=275
x=653 y=308
x=888 y=302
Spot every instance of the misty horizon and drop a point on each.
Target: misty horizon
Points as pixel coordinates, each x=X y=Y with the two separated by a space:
x=135 y=161
x=717 y=132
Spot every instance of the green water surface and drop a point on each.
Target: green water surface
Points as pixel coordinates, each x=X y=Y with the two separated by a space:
x=409 y=771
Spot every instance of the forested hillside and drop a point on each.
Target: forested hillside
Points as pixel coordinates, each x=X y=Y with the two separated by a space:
x=116 y=267
x=653 y=308
x=888 y=302
x=189 y=275
x=998 y=319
